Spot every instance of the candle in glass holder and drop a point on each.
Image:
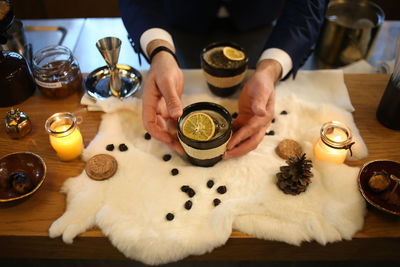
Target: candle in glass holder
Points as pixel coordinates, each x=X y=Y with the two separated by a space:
x=65 y=137
x=335 y=141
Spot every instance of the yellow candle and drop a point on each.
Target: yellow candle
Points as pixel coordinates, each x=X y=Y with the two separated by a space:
x=334 y=142
x=326 y=153
x=67 y=147
x=65 y=137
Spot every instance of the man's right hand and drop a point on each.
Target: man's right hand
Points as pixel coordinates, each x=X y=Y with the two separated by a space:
x=161 y=99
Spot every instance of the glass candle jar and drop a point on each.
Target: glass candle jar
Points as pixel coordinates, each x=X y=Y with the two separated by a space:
x=65 y=137
x=56 y=72
x=335 y=141
x=206 y=153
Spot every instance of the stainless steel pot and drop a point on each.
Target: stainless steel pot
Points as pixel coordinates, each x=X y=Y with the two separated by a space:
x=349 y=31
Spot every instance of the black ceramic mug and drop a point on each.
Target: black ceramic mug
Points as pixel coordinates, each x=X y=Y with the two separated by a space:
x=225 y=78
x=206 y=153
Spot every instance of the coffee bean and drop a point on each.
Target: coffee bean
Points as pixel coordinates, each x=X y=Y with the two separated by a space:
x=174 y=171
x=210 y=183
x=147 y=136
x=110 y=147
x=216 y=202
x=122 y=147
x=166 y=157
x=273 y=120
x=191 y=192
x=234 y=115
x=270 y=133
x=284 y=112
x=170 y=216
x=185 y=188
x=221 y=189
x=188 y=205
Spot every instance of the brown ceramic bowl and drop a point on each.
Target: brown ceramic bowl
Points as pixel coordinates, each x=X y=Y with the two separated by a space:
x=387 y=200
x=23 y=162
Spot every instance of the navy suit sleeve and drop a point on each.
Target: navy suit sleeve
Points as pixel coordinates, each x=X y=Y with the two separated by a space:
x=139 y=16
x=297 y=29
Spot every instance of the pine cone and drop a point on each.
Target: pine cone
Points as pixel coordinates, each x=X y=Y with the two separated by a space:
x=294 y=178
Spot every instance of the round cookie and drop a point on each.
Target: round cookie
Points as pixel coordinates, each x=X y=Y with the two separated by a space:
x=101 y=167
x=288 y=148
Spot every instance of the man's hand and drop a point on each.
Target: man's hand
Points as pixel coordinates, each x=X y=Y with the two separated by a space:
x=256 y=109
x=161 y=99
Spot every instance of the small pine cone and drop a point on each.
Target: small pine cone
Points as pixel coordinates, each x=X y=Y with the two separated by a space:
x=296 y=176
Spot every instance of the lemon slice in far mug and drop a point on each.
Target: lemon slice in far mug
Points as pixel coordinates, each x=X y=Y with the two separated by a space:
x=233 y=53
x=198 y=126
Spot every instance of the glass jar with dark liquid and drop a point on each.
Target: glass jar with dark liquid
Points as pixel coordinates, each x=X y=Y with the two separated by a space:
x=56 y=72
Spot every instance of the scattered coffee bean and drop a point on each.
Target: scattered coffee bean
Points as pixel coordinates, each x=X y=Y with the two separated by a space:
x=234 y=115
x=166 y=157
x=188 y=204
x=191 y=192
x=174 y=171
x=270 y=133
x=185 y=188
x=273 y=120
x=147 y=136
x=110 y=147
x=216 y=202
x=284 y=112
x=221 y=189
x=170 y=216
x=210 y=183
x=122 y=147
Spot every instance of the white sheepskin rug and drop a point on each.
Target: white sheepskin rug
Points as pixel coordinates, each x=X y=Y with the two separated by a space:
x=130 y=208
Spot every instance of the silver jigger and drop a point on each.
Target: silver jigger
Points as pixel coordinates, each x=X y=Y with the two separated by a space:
x=109 y=48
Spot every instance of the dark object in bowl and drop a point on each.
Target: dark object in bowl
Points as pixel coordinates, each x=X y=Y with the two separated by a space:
x=21 y=174
x=21 y=182
x=379 y=181
x=384 y=200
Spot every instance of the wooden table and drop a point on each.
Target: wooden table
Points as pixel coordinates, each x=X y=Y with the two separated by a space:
x=24 y=225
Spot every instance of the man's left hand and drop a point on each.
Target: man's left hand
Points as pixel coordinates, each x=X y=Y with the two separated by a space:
x=256 y=109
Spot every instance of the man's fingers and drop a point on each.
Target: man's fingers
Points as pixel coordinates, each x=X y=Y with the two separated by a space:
x=177 y=147
x=159 y=130
x=169 y=91
x=259 y=103
x=246 y=146
x=150 y=103
x=253 y=126
x=162 y=109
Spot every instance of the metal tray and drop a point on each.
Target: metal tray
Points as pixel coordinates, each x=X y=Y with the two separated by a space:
x=97 y=82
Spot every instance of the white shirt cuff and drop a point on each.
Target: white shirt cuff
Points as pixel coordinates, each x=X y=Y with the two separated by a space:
x=153 y=34
x=281 y=56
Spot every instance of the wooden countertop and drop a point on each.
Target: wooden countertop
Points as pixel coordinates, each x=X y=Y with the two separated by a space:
x=24 y=225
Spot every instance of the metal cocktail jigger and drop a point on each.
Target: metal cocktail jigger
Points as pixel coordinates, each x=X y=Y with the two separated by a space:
x=109 y=48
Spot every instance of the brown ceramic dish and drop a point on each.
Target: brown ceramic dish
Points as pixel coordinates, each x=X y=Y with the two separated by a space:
x=25 y=162
x=380 y=200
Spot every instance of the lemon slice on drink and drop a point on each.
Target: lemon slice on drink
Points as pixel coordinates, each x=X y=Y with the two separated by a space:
x=233 y=53
x=199 y=126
